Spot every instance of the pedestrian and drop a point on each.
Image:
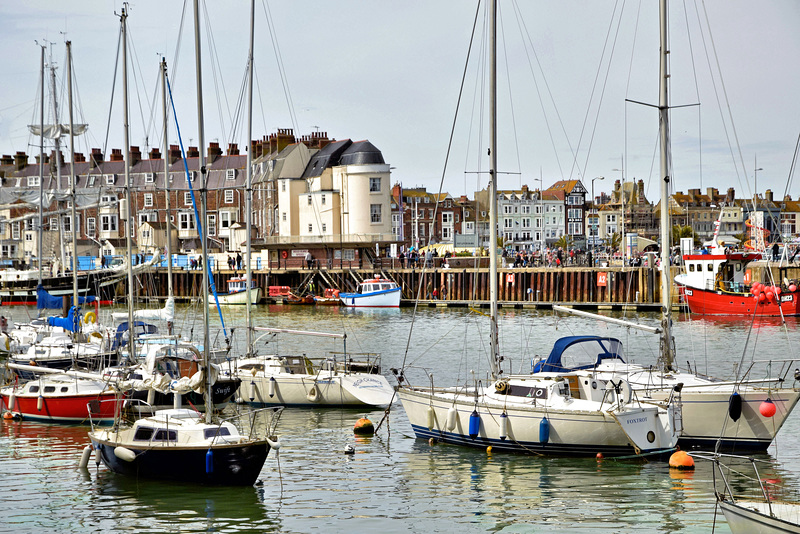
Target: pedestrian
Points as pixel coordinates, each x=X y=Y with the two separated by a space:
x=230 y=262
x=3 y=324
x=402 y=257
x=309 y=259
x=102 y=262
x=238 y=260
x=200 y=262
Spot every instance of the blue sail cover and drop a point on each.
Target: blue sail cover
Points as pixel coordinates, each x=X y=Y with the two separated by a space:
x=580 y=352
x=71 y=322
x=46 y=301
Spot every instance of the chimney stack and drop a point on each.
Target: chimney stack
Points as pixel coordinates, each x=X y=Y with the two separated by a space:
x=135 y=155
x=97 y=157
x=116 y=155
x=20 y=160
x=233 y=149
x=78 y=157
x=768 y=195
x=155 y=154
x=174 y=153
x=214 y=152
x=192 y=152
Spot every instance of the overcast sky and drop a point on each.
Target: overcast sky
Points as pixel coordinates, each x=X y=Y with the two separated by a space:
x=390 y=72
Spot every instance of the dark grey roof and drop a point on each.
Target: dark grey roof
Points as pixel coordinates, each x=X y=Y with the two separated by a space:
x=326 y=157
x=361 y=153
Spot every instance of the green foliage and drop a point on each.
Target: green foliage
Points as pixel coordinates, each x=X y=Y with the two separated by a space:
x=613 y=243
x=564 y=242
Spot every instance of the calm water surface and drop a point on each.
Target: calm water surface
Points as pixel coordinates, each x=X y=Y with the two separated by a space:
x=395 y=483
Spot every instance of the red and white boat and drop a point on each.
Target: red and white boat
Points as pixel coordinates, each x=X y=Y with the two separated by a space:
x=60 y=398
x=720 y=282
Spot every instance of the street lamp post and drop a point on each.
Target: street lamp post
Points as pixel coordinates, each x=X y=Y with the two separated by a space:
x=596 y=220
x=540 y=216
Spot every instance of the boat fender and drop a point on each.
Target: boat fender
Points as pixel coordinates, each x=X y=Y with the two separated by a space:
x=97 y=455
x=767 y=408
x=124 y=454
x=431 y=417
x=271 y=387
x=87 y=452
x=503 y=426
x=253 y=391
x=274 y=445
x=735 y=406
x=209 y=462
x=151 y=396
x=313 y=394
x=12 y=401
x=40 y=403
x=474 y=424
x=544 y=430
x=452 y=414
x=90 y=318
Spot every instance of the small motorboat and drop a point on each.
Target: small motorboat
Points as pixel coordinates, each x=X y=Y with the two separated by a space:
x=296 y=299
x=374 y=293
x=330 y=297
x=236 y=292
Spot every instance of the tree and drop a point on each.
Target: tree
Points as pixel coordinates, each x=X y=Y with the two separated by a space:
x=679 y=231
x=613 y=242
x=564 y=242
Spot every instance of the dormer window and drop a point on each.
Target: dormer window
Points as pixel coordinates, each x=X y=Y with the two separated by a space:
x=109 y=179
x=149 y=177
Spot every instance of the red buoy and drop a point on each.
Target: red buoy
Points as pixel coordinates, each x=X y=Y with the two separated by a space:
x=681 y=460
x=767 y=408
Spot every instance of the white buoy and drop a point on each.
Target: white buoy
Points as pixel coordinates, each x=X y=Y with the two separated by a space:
x=12 y=400
x=87 y=452
x=252 y=391
x=177 y=398
x=431 y=417
x=124 y=454
x=274 y=445
x=452 y=415
x=271 y=387
x=40 y=403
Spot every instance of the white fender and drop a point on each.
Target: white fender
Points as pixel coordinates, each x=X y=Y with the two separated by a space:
x=124 y=454
x=87 y=452
x=313 y=394
x=274 y=445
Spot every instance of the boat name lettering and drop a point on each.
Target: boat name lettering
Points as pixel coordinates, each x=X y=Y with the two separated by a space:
x=688 y=292
x=366 y=382
x=786 y=298
x=636 y=421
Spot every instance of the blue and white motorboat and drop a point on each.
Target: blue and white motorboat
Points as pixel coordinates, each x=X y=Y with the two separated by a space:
x=373 y=293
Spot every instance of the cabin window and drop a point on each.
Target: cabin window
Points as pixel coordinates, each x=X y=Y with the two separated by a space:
x=166 y=435
x=211 y=433
x=64 y=389
x=710 y=267
x=49 y=389
x=33 y=389
x=691 y=267
x=738 y=267
x=143 y=433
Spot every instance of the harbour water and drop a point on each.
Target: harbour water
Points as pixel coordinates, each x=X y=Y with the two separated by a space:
x=394 y=483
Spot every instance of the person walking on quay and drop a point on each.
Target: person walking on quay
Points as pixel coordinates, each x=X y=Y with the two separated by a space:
x=309 y=259
x=402 y=257
x=239 y=261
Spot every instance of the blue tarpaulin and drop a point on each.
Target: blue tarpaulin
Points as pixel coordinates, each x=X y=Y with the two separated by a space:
x=71 y=322
x=46 y=301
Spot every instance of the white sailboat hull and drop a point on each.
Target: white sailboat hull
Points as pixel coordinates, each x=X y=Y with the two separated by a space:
x=324 y=389
x=572 y=432
x=750 y=517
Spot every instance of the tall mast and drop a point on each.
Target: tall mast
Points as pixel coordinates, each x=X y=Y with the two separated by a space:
x=73 y=225
x=58 y=151
x=166 y=183
x=248 y=210
x=667 y=356
x=39 y=246
x=495 y=365
x=203 y=195
x=128 y=223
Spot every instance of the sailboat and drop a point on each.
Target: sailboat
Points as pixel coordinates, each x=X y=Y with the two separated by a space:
x=548 y=413
x=181 y=444
x=297 y=380
x=707 y=402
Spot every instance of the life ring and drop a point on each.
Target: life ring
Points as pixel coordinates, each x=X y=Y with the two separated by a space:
x=313 y=394
x=284 y=254
x=90 y=317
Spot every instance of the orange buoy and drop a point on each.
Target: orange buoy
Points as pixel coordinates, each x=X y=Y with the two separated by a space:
x=681 y=460
x=599 y=456
x=364 y=427
x=767 y=408
x=8 y=415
